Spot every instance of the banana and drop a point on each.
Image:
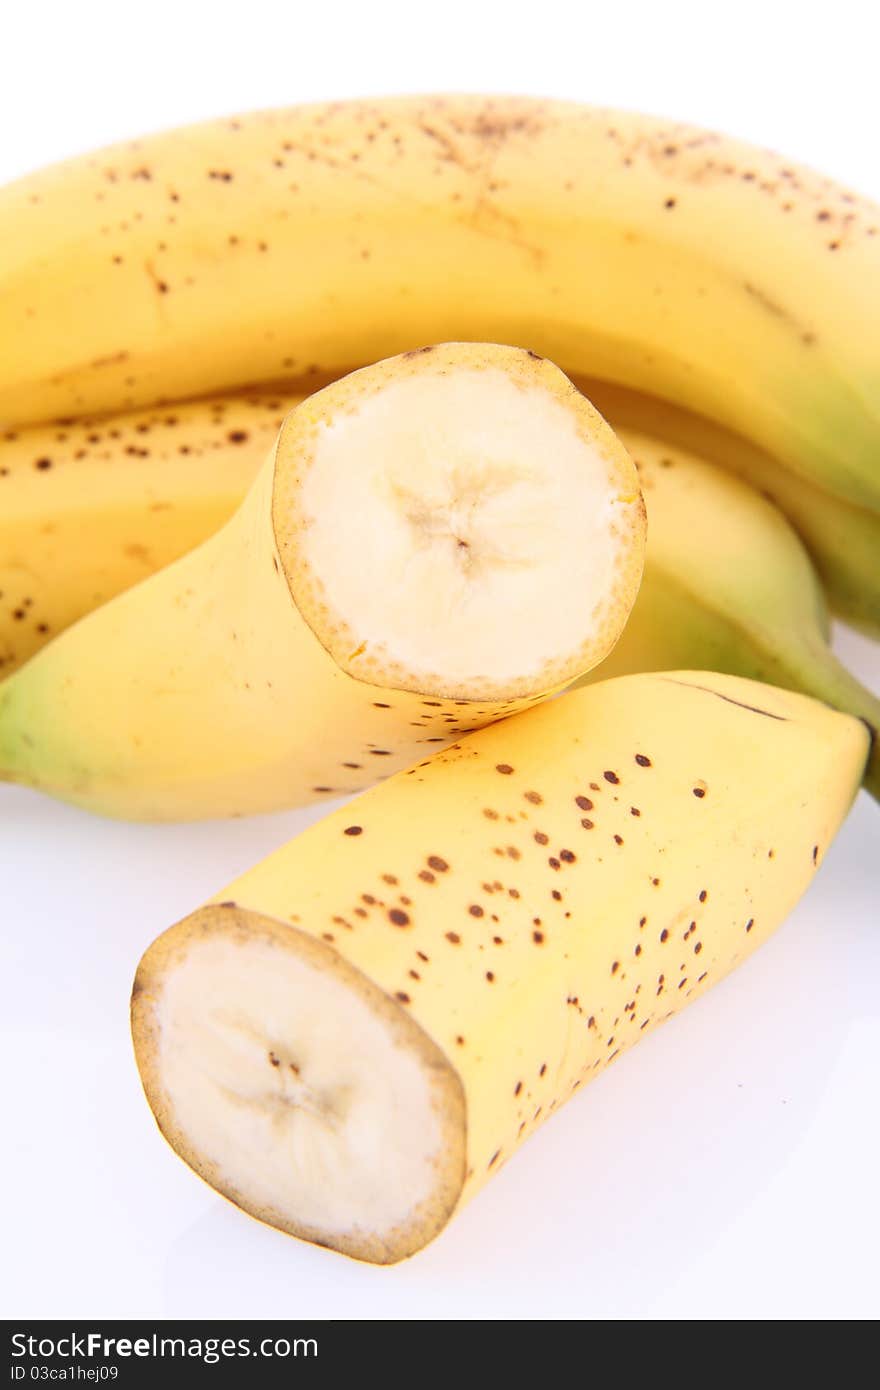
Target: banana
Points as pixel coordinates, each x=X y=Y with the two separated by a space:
x=145 y=501
x=89 y=508
x=434 y=541
x=842 y=537
x=726 y=585
x=638 y=250
x=729 y=587
x=351 y=1038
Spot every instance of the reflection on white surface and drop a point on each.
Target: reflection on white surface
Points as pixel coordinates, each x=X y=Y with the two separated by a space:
x=725 y=1167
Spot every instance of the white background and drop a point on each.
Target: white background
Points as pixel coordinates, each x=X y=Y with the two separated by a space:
x=726 y=1168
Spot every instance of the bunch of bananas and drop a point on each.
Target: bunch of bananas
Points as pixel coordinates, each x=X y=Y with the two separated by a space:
x=180 y=320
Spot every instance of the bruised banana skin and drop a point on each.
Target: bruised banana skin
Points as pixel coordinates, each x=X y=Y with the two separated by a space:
x=614 y=243
x=90 y=507
x=350 y=1039
x=729 y=587
x=842 y=537
x=357 y=607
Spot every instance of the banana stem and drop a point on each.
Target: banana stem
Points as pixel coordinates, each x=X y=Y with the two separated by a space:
x=832 y=682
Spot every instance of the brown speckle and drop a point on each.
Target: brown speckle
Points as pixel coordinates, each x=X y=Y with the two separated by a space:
x=475 y=910
x=439 y=865
x=504 y=768
x=534 y=797
x=399 y=917
x=642 y=760
x=353 y=830
x=611 y=777
x=454 y=937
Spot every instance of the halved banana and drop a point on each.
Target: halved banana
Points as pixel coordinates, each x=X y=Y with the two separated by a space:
x=433 y=542
x=361 y=1030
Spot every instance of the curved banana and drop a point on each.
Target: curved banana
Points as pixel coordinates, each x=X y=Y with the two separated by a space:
x=729 y=587
x=647 y=252
x=147 y=486
x=90 y=507
x=434 y=542
x=842 y=537
x=354 y=1036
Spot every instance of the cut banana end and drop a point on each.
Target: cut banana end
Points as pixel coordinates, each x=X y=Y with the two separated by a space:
x=296 y=1087
x=459 y=519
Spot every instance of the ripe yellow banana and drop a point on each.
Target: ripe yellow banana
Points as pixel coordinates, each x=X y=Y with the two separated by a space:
x=729 y=587
x=642 y=251
x=351 y=1038
x=90 y=507
x=843 y=537
x=147 y=486
x=434 y=541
